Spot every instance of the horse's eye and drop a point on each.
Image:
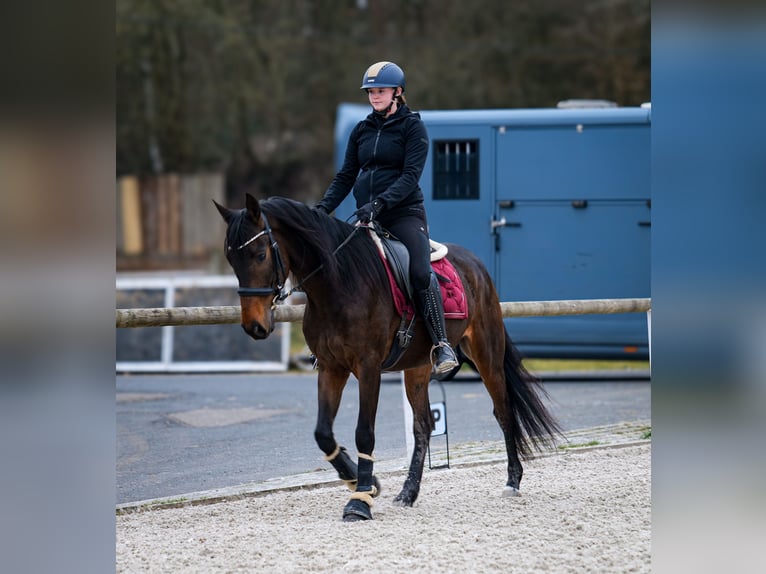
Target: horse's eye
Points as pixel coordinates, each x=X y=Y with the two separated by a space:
x=260 y=257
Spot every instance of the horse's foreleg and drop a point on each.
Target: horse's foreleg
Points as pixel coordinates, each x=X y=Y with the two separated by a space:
x=367 y=487
x=330 y=386
x=416 y=383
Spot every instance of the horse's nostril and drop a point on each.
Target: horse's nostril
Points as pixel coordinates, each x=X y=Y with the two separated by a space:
x=255 y=330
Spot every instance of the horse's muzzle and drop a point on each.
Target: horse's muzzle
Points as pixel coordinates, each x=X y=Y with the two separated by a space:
x=256 y=330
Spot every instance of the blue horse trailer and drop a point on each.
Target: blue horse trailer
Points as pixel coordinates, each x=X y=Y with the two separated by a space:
x=556 y=202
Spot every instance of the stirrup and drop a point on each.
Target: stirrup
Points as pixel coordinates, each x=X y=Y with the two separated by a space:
x=446 y=364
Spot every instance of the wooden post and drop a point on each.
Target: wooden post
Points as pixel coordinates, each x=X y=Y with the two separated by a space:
x=130 y=202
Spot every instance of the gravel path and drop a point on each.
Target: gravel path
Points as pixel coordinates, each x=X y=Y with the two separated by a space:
x=585 y=510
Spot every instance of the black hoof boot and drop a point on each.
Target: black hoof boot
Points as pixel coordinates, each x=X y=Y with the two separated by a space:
x=351 y=484
x=356 y=510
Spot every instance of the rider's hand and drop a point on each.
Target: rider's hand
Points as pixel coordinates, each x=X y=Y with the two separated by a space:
x=368 y=211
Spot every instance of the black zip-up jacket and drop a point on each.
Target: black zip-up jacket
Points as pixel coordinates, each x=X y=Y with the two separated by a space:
x=384 y=160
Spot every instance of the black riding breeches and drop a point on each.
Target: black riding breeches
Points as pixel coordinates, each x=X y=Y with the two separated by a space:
x=412 y=230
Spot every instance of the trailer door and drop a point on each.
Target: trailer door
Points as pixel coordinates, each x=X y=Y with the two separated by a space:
x=572 y=221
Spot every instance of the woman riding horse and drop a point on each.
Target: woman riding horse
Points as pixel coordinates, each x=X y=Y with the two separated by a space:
x=350 y=322
x=384 y=158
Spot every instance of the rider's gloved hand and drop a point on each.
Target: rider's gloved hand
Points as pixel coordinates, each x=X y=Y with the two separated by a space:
x=368 y=211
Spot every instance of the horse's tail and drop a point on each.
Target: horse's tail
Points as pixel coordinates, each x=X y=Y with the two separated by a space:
x=533 y=426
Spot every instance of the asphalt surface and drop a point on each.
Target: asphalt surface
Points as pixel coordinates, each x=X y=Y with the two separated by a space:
x=178 y=434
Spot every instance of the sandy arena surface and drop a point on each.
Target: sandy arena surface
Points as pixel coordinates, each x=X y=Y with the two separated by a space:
x=580 y=511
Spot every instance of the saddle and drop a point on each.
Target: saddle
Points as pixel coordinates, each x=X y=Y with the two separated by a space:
x=396 y=260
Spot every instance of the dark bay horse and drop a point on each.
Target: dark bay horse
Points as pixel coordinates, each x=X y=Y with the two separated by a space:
x=349 y=325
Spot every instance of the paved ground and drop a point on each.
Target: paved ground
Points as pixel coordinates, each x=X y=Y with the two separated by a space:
x=182 y=434
x=620 y=435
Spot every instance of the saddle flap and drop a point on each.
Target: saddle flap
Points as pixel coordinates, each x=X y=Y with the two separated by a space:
x=399 y=260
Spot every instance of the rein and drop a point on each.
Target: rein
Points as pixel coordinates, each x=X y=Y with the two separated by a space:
x=278 y=291
x=307 y=277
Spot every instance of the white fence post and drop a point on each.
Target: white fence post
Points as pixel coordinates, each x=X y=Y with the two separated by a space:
x=166 y=362
x=409 y=439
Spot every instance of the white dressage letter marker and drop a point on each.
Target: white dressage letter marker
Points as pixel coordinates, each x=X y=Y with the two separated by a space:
x=439 y=411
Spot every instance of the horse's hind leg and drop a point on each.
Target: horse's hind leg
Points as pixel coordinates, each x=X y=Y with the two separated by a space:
x=416 y=383
x=488 y=354
x=331 y=383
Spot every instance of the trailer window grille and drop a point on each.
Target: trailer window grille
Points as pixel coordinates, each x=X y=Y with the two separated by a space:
x=456 y=169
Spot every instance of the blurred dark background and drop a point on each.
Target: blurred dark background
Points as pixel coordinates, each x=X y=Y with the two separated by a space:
x=247 y=89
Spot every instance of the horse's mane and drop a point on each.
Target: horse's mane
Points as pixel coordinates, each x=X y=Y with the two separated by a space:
x=354 y=267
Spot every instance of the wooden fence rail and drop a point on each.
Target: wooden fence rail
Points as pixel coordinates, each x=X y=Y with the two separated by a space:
x=178 y=316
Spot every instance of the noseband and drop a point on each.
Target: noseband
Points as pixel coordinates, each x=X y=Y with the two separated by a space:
x=279 y=269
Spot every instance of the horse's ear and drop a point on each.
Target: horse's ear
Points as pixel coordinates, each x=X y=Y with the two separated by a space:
x=253 y=207
x=226 y=213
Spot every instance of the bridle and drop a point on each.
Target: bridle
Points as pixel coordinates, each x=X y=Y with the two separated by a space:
x=279 y=268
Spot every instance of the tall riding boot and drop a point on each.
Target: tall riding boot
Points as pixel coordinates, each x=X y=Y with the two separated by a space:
x=442 y=356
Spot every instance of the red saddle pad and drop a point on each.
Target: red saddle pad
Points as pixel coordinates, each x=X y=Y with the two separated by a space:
x=453 y=293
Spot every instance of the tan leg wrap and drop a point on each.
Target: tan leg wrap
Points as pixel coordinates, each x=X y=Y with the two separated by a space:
x=366 y=457
x=364 y=497
x=330 y=457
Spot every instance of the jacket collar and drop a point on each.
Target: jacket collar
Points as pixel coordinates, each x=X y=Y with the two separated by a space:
x=377 y=120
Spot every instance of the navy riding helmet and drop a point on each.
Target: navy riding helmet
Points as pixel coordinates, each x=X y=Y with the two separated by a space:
x=383 y=75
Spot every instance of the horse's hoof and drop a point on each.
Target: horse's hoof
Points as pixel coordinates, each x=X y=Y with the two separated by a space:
x=356 y=510
x=402 y=500
x=510 y=491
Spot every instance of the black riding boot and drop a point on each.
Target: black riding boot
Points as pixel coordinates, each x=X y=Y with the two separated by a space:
x=442 y=356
